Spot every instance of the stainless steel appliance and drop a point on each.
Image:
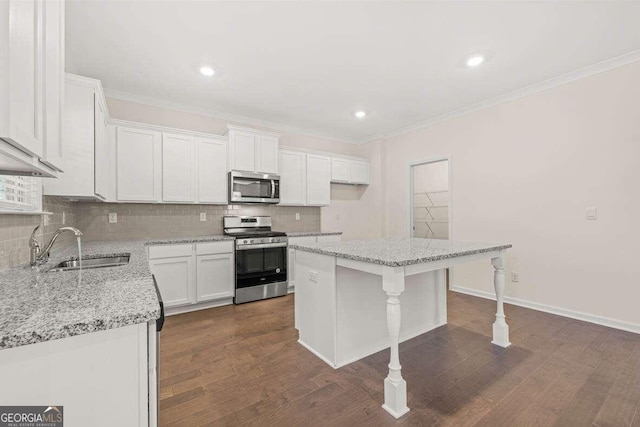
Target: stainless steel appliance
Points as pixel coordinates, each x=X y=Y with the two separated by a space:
x=251 y=187
x=261 y=258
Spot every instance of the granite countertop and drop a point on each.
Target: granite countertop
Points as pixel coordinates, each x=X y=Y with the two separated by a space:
x=178 y=240
x=312 y=233
x=37 y=306
x=397 y=252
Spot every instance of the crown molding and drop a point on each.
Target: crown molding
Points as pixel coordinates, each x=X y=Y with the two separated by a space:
x=93 y=83
x=243 y=120
x=553 y=82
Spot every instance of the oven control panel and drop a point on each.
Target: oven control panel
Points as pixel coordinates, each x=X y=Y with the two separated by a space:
x=282 y=241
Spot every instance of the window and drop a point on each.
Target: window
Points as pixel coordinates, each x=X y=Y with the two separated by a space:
x=20 y=193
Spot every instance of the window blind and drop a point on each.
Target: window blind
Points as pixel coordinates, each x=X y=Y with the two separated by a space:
x=19 y=193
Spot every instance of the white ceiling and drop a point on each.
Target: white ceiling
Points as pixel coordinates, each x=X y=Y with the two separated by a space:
x=310 y=65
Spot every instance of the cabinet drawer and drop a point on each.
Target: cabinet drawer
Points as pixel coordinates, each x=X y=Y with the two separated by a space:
x=211 y=248
x=170 y=251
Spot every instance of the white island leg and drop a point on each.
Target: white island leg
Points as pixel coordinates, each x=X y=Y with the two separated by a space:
x=500 y=327
x=395 y=387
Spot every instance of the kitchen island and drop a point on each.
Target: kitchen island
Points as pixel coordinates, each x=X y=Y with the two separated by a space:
x=349 y=297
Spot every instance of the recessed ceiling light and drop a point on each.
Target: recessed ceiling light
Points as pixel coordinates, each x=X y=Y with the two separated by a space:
x=475 y=60
x=207 y=71
x=360 y=114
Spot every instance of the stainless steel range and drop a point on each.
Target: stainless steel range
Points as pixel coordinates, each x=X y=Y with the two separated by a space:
x=261 y=258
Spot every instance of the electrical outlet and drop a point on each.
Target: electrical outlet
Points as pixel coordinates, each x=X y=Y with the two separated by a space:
x=313 y=276
x=515 y=276
x=297 y=216
x=64 y=218
x=203 y=216
x=591 y=213
x=113 y=217
x=46 y=220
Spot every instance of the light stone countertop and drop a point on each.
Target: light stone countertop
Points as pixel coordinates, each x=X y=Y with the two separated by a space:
x=397 y=252
x=179 y=240
x=312 y=233
x=37 y=306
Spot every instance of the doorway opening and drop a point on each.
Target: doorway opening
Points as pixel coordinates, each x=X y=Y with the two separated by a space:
x=430 y=190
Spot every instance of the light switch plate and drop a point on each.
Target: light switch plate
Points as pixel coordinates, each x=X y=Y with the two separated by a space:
x=64 y=218
x=313 y=276
x=113 y=217
x=591 y=213
x=203 y=216
x=297 y=216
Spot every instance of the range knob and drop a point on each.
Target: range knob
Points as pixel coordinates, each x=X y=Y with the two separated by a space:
x=244 y=241
x=265 y=240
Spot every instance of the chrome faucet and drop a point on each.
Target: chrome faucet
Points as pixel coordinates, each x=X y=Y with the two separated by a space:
x=37 y=253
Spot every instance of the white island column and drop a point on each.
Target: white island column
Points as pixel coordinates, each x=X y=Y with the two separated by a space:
x=395 y=387
x=500 y=327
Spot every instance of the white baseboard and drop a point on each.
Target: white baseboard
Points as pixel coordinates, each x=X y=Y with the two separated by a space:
x=578 y=315
x=171 y=311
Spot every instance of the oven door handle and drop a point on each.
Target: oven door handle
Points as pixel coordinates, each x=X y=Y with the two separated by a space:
x=260 y=246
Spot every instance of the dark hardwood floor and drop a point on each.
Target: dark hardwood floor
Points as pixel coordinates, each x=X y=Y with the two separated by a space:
x=241 y=365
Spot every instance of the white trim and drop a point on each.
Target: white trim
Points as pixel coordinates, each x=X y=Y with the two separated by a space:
x=435 y=159
x=228 y=128
x=578 y=315
x=569 y=77
x=219 y=302
x=165 y=129
x=95 y=84
x=562 y=79
x=176 y=106
x=323 y=153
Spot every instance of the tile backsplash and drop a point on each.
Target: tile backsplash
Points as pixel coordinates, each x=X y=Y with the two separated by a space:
x=135 y=221
x=15 y=230
x=144 y=221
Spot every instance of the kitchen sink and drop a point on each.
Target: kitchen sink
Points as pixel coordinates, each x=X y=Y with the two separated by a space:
x=107 y=261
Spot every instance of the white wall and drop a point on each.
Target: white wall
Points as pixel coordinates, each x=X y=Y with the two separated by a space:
x=524 y=172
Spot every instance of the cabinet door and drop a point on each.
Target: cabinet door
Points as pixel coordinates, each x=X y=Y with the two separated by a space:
x=243 y=150
x=175 y=280
x=215 y=278
x=54 y=82
x=293 y=178
x=138 y=160
x=318 y=180
x=266 y=154
x=212 y=171
x=178 y=168
x=26 y=73
x=359 y=172
x=340 y=171
x=101 y=154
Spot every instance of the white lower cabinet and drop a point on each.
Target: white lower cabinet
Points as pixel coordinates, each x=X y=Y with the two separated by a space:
x=302 y=240
x=87 y=374
x=189 y=275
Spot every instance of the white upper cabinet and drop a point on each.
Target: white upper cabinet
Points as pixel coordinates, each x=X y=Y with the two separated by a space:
x=340 y=170
x=318 y=180
x=266 y=153
x=349 y=171
x=178 y=168
x=83 y=148
x=359 y=172
x=31 y=84
x=293 y=178
x=212 y=170
x=242 y=150
x=251 y=150
x=138 y=165
x=101 y=147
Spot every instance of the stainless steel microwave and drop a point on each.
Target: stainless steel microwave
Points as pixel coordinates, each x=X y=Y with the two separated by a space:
x=251 y=187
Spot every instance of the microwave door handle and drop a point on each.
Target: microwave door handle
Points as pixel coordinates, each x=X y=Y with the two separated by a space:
x=273 y=189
